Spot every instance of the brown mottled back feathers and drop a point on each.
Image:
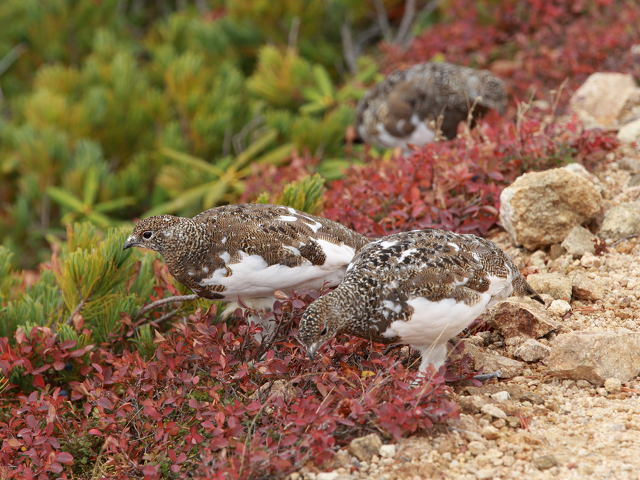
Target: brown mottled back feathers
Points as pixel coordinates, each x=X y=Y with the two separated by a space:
x=440 y=94
x=211 y=244
x=432 y=264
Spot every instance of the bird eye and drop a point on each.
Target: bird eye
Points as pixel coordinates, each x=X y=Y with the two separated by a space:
x=147 y=235
x=324 y=331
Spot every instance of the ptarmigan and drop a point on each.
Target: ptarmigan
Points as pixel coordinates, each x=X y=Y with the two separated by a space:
x=419 y=288
x=248 y=251
x=409 y=106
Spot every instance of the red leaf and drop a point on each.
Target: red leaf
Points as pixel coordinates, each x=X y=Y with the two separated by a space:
x=65 y=458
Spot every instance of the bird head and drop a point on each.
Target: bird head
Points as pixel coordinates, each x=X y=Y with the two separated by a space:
x=153 y=232
x=319 y=323
x=494 y=93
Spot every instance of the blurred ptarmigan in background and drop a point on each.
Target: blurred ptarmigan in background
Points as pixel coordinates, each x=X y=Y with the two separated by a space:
x=246 y=252
x=409 y=106
x=419 y=288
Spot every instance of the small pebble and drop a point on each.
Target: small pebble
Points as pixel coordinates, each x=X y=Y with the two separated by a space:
x=545 y=462
x=476 y=447
x=501 y=396
x=485 y=473
x=559 y=307
x=612 y=385
x=327 y=476
x=493 y=411
x=490 y=432
x=387 y=451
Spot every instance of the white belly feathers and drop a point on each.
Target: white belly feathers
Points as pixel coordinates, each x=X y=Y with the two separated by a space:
x=252 y=277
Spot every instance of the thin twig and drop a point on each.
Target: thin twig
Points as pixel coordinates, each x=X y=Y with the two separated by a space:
x=76 y=310
x=348 y=48
x=292 y=40
x=164 y=301
x=383 y=19
x=407 y=22
x=165 y=316
x=11 y=57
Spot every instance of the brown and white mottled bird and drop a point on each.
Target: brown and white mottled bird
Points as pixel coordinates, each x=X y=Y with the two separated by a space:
x=410 y=106
x=248 y=251
x=419 y=288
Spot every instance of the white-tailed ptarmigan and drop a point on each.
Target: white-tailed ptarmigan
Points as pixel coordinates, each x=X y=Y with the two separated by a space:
x=419 y=288
x=248 y=251
x=410 y=106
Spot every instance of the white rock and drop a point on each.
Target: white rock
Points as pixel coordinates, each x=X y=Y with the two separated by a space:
x=532 y=351
x=501 y=396
x=612 y=385
x=606 y=100
x=493 y=411
x=630 y=132
x=485 y=474
x=559 y=307
x=327 y=476
x=387 y=451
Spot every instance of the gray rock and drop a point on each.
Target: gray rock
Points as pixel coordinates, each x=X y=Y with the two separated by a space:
x=606 y=100
x=519 y=317
x=579 y=241
x=634 y=180
x=541 y=208
x=545 y=462
x=621 y=221
x=554 y=284
x=492 y=362
x=595 y=356
x=630 y=163
x=364 y=448
x=532 y=351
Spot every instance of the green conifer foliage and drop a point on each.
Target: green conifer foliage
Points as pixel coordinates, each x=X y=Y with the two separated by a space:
x=92 y=280
x=304 y=194
x=115 y=110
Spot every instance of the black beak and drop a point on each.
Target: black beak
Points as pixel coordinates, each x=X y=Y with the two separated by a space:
x=129 y=243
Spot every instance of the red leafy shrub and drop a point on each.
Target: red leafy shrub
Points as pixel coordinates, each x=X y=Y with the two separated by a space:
x=41 y=359
x=456 y=184
x=533 y=44
x=213 y=403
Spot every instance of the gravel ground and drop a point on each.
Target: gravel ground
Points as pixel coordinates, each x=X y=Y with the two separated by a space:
x=553 y=429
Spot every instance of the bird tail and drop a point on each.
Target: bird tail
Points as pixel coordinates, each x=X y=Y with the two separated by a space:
x=521 y=287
